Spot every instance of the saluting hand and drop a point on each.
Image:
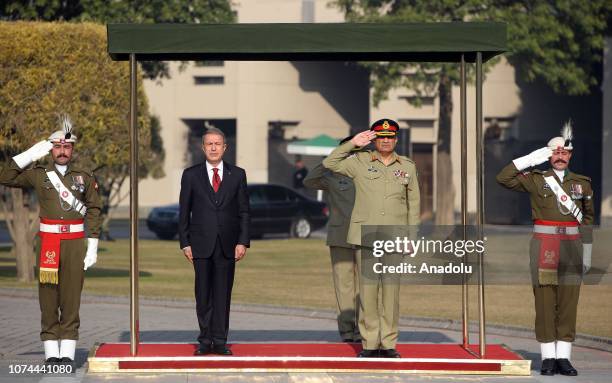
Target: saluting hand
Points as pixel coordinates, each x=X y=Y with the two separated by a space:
x=363 y=138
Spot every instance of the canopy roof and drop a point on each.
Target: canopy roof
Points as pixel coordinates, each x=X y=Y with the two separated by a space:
x=308 y=42
x=320 y=145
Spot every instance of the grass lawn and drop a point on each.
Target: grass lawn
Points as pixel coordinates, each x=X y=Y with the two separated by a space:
x=296 y=273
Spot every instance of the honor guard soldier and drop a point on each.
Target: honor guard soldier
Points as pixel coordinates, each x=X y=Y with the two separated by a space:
x=562 y=210
x=386 y=193
x=340 y=197
x=69 y=200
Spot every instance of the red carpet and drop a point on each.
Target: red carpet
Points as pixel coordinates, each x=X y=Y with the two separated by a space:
x=442 y=358
x=439 y=351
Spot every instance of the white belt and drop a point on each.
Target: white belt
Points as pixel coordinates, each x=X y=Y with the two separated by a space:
x=61 y=229
x=545 y=229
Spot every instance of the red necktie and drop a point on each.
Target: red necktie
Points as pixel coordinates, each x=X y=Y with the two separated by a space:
x=216 y=179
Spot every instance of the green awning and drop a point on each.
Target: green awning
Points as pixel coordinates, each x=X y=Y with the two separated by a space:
x=321 y=145
x=308 y=42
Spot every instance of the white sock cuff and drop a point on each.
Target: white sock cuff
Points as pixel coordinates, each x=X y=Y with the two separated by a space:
x=51 y=349
x=548 y=350
x=564 y=350
x=67 y=348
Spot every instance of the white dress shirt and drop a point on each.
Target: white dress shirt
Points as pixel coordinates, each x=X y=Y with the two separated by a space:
x=560 y=174
x=61 y=168
x=209 y=169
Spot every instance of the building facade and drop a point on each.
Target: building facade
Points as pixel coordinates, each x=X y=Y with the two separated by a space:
x=262 y=106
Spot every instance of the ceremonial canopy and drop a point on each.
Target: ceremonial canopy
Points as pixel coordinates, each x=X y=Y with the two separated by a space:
x=460 y=42
x=308 y=42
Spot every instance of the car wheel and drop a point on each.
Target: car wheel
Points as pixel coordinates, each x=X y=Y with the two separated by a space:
x=166 y=236
x=301 y=228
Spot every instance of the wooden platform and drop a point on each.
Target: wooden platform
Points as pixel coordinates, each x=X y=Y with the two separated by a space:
x=306 y=357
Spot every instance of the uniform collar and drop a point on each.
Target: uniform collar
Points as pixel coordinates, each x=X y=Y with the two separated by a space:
x=566 y=175
x=375 y=155
x=49 y=165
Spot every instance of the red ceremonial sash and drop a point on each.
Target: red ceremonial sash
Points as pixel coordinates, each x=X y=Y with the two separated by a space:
x=50 y=249
x=550 y=247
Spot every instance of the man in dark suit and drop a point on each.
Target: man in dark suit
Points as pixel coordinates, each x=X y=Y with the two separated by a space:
x=214 y=235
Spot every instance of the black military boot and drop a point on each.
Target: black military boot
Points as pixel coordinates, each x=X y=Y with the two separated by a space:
x=549 y=367
x=564 y=367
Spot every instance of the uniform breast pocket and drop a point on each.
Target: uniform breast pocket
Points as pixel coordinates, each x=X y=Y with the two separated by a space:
x=546 y=198
x=48 y=192
x=372 y=175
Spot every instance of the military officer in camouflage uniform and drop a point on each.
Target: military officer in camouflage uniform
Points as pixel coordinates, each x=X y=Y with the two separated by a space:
x=68 y=199
x=386 y=193
x=340 y=197
x=560 y=250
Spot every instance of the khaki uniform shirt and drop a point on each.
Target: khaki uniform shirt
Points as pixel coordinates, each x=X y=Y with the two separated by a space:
x=384 y=195
x=544 y=204
x=51 y=206
x=340 y=197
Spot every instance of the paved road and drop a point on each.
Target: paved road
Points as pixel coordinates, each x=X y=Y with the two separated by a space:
x=107 y=319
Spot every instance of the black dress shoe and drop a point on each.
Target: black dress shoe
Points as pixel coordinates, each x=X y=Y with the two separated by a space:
x=52 y=360
x=564 y=367
x=548 y=367
x=222 y=350
x=202 y=350
x=66 y=360
x=368 y=354
x=390 y=353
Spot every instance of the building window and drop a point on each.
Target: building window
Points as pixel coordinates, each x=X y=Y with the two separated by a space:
x=210 y=63
x=209 y=80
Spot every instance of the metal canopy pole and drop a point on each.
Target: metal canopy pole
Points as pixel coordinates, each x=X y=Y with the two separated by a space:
x=480 y=205
x=464 y=217
x=134 y=331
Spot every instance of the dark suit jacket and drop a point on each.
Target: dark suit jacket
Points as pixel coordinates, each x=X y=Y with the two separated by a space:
x=204 y=214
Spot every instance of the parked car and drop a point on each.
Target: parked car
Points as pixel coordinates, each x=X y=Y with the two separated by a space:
x=274 y=209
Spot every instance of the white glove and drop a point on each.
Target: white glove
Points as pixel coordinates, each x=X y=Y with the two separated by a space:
x=92 y=253
x=534 y=158
x=587 y=249
x=36 y=152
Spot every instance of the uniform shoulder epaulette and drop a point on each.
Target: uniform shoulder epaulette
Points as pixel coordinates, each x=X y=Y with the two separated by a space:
x=79 y=169
x=537 y=171
x=404 y=158
x=580 y=176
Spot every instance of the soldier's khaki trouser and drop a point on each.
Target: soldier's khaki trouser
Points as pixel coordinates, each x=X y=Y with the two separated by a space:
x=346 y=285
x=556 y=310
x=556 y=306
x=378 y=319
x=59 y=304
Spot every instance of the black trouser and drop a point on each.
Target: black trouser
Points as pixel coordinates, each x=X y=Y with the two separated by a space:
x=214 y=277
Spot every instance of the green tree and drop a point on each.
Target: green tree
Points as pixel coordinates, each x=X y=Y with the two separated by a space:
x=122 y=11
x=558 y=41
x=51 y=68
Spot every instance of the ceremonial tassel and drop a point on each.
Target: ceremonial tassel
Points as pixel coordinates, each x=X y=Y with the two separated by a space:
x=547 y=277
x=47 y=276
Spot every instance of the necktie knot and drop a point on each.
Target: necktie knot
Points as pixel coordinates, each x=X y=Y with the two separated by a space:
x=216 y=170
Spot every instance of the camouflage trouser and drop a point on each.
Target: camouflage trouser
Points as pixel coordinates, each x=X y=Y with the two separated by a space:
x=346 y=285
x=59 y=304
